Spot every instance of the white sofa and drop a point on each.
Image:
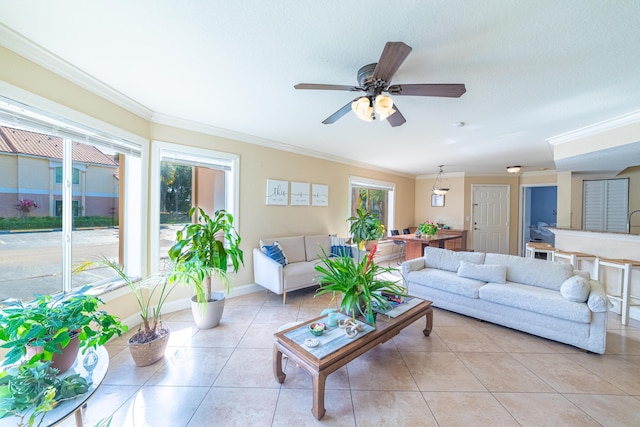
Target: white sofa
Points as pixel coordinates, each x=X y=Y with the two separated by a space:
x=302 y=254
x=543 y=298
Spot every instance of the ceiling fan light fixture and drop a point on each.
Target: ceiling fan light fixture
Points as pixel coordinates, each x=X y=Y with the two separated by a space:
x=383 y=107
x=362 y=109
x=440 y=186
x=513 y=169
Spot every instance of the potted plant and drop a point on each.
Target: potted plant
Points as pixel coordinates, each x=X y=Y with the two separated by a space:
x=54 y=323
x=365 y=229
x=428 y=228
x=33 y=388
x=359 y=282
x=148 y=345
x=203 y=249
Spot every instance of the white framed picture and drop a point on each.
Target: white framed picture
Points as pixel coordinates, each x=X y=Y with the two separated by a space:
x=277 y=192
x=319 y=195
x=300 y=194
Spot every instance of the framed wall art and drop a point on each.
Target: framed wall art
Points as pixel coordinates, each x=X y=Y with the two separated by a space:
x=300 y=194
x=437 y=200
x=319 y=195
x=277 y=192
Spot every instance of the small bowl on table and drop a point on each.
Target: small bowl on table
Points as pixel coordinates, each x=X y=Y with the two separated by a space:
x=317 y=328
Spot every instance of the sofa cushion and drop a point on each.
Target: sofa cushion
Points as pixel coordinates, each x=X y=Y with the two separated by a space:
x=444 y=259
x=445 y=281
x=292 y=246
x=575 y=288
x=315 y=245
x=486 y=272
x=275 y=253
x=537 y=300
x=298 y=275
x=534 y=272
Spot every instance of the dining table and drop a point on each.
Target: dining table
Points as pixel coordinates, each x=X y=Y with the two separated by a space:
x=416 y=244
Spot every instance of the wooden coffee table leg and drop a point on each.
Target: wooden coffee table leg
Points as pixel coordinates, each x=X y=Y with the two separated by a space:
x=277 y=365
x=319 y=381
x=429 y=316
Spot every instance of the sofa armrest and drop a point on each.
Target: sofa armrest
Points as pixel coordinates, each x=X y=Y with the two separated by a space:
x=597 y=302
x=267 y=272
x=412 y=265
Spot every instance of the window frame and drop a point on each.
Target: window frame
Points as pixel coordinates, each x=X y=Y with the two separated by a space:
x=375 y=184
x=160 y=149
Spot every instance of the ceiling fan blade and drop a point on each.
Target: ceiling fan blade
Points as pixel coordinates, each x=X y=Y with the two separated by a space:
x=446 y=90
x=392 y=57
x=338 y=114
x=314 y=86
x=396 y=119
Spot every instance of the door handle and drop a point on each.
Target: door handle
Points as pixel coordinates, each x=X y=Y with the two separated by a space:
x=476 y=228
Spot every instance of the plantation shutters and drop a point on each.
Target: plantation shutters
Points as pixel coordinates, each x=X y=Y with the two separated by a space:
x=605 y=204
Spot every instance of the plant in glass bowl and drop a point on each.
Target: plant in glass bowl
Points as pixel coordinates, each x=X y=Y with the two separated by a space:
x=33 y=388
x=365 y=228
x=203 y=249
x=53 y=323
x=428 y=228
x=360 y=283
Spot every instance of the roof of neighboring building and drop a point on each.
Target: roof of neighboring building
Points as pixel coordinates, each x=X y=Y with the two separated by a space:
x=20 y=141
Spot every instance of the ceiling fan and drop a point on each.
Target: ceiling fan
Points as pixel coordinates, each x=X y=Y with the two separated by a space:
x=374 y=79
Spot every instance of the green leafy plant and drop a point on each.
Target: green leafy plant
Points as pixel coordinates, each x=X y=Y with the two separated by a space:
x=428 y=228
x=33 y=388
x=150 y=294
x=359 y=283
x=200 y=252
x=50 y=322
x=365 y=226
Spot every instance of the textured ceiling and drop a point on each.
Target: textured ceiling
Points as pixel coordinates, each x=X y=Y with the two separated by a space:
x=533 y=70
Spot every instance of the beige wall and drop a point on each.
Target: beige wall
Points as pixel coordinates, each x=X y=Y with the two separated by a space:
x=451 y=214
x=258 y=163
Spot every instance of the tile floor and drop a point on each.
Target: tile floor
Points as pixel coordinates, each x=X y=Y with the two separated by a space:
x=467 y=373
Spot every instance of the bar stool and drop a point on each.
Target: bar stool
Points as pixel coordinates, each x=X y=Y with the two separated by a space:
x=575 y=258
x=534 y=248
x=624 y=266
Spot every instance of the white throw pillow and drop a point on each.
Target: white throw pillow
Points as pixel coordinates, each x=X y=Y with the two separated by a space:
x=576 y=289
x=486 y=272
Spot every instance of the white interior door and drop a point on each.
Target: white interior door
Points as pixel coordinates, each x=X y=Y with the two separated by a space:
x=490 y=204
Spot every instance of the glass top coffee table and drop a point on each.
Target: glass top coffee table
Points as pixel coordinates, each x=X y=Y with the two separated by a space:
x=319 y=364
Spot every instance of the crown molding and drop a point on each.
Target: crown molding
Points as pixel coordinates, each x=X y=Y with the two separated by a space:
x=164 y=119
x=48 y=60
x=596 y=128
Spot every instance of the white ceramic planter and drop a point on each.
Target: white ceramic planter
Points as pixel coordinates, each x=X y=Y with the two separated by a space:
x=210 y=316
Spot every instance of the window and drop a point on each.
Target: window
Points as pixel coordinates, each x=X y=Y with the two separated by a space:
x=75 y=179
x=183 y=177
x=63 y=225
x=605 y=204
x=375 y=196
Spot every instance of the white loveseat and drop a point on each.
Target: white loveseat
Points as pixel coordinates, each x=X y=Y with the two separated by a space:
x=302 y=254
x=540 y=297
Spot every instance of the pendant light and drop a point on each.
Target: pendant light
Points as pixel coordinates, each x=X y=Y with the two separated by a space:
x=441 y=185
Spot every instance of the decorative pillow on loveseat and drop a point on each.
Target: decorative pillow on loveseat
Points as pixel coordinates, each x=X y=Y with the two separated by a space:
x=275 y=253
x=575 y=288
x=493 y=273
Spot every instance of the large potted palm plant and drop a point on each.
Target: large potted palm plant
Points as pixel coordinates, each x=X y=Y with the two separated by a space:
x=203 y=249
x=360 y=283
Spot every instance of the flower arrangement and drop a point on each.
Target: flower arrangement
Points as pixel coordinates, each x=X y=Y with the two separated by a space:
x=428 y=228
x=25 y=206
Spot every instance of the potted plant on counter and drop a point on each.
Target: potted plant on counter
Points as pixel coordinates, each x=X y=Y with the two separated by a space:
x=55 y=327
x=360 y=283
x=366 y=229
x=148 y=345
x=204 y=249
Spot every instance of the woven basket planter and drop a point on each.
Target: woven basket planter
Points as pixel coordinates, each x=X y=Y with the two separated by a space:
x=148 y=353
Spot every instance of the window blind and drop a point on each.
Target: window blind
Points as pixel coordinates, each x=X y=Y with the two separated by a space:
x=605 y=204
